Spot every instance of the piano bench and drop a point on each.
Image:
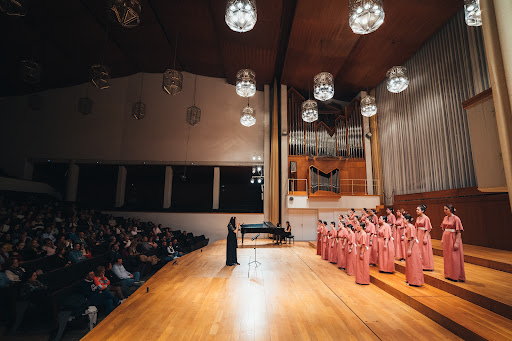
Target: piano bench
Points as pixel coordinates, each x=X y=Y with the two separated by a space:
x=289 y=238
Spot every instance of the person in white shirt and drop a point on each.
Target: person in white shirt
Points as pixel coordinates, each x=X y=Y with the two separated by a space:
x=127 y=279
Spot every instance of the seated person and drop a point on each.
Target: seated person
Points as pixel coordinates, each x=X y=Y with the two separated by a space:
x=103 y=283
x=4 y=255
x=87 y=254
x=97 y=297
x=15 y=272
x=61 y=260
x=32 y=251
x=49 y=248
x=127 y=279
x=76 y=254
x=48 y=234
x=287 y=231
x=167 y=252
x=32 y=288
x=4 y=280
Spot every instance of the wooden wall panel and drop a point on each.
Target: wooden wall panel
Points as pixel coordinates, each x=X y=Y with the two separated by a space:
x=486 y=217
x=349 y=169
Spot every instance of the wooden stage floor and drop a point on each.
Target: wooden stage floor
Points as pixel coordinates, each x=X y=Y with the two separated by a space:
x=293 y=295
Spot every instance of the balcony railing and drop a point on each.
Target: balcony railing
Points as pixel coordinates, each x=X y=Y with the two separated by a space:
x=298 y=186
x=347 y=187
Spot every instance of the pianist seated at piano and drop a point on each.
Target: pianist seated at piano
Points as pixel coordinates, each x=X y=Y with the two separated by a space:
x=287 y=231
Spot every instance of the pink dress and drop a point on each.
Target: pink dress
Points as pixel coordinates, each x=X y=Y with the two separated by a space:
x=342 y=254
x=427 y=255
x=374 y=247
x=413 y=266
x=453 y=260
x=319 y=240
x=333 y=250
x=375 y=220
x=400 y=245
x=325 y=246
x=386 y=255
x=391 y=222
x=351 y=256
x=362 y=265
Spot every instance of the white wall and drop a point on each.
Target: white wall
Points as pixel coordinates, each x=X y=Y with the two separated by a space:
x=344 y=203
x=212 y=225
x=59 y=132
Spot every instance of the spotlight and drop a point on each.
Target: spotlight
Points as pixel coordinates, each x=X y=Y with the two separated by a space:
x=252 y=180
x=259 y=181
x=253 y=170
x=259 y=168
x=259 y=157
x=254 y=158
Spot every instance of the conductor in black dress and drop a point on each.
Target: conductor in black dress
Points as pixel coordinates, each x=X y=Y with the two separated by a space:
x=232 y=243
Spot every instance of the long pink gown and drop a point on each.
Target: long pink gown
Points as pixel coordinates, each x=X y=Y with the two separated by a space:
x=333 y=251
x=386 y=255
x=413 y=266
x=374 y=248
x=325 y=245
x=400 y=245
x=362 y=265
x=427 y=255
x=374 y=220
x=319 y=240
x=453 y=260
x=351 y=256
x=342 y=254
x=391 y=222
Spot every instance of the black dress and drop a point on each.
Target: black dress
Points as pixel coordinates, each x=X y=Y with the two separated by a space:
x=231 y=244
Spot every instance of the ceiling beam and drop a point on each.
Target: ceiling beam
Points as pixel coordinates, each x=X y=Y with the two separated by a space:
x=287 y=19
x=169 y=40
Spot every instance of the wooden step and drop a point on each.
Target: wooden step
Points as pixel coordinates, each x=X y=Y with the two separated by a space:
x=312 y=244
x=485 y=287
x=483 y=256
x=465 y=319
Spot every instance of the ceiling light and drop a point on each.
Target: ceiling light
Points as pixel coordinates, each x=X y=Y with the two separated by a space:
x=324 y=86
x=368 y=106
x=248 y=117
x=100 y=76
x=241 y=15
x=193 y=112
x=252 y=180
x=309 y=111
x=259 y=180
x=365 y=16
x=245 y=83
x=258 y=169
x=172 y=82
x=397 y=80
x=472 y=13
x=127 y=12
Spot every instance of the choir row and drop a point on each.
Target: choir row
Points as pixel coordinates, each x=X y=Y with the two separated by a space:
x=370 y=240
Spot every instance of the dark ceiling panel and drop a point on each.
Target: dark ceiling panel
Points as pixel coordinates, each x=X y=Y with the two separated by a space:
x=292 y=40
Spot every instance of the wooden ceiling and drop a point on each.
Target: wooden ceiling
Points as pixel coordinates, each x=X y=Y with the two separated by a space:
x=292 y=41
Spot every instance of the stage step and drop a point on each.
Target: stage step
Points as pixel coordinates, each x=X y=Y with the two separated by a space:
x=465 y=319
x=485 y=287
x=483 y=256
x=313 y=244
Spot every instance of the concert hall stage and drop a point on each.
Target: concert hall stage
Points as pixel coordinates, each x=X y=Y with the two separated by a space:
x=293 y=295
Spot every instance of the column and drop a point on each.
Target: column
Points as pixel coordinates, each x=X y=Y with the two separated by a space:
x=216 y=188
x=367 y=152
x=121 y=186
x=168 y=186
x=72 y=182
x=266 y=155
x=497 y=33
x=284 y=153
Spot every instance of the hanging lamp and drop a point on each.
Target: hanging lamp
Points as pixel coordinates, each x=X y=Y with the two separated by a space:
x=248 y=116
x=397 y=80
x=472 y=13
x=193 y=112
x=245 y=83
x=365 y=16
x=172 y=82
x=368 y=106
x=241 y=15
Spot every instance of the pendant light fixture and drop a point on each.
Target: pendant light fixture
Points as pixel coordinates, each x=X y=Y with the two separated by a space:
x=13 y=7
x=323 y=89
x=368 y=106
x=172 y=82
x=472 y=13
x=397 y=80
x=139 y=108
x=241 y=15
x=193 y=112
x=126 y=12
x=245 y=83
x=365 y=16
x=309 y=111
x=100 y=73
x=248 y=116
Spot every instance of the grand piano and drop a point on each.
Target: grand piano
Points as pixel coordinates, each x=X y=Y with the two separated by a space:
x=266 y=227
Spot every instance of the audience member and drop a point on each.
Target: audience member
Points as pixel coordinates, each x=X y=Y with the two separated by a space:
x=76 y=254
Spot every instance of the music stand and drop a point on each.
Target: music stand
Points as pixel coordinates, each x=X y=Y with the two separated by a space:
x=255 y=261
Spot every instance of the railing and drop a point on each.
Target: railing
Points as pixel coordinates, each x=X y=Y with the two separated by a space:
x=298 y=186
x=358 y=186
